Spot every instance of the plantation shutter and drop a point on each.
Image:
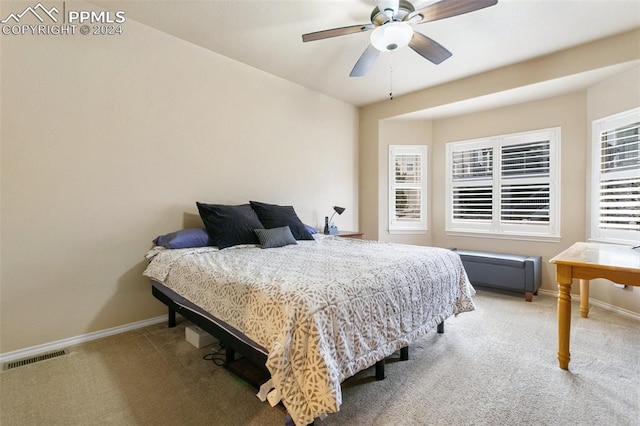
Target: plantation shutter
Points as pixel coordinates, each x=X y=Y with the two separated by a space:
x=617 y=213
x=505 y=185
x=473 y=184
x=407 y=195
x=525 y=186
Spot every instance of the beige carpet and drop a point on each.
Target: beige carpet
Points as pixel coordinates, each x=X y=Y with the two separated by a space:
x=494 y=366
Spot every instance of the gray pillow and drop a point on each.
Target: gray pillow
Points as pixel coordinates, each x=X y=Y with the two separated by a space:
x=275 y=216
x=275 y=237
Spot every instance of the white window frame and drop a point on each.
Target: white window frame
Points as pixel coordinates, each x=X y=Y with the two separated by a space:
x=495 y=226
x=408 y=226
x=599 y=126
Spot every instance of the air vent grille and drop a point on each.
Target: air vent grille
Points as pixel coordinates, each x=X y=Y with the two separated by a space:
x=33 y=359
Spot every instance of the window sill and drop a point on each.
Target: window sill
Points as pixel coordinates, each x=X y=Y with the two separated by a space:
x=407 y=231
x=519 y=237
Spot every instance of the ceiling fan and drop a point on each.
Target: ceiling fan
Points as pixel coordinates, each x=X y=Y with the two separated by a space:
x=392 y=21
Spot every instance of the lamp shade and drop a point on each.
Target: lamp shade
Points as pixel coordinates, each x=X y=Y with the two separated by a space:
x=391 y=36
x=338 y=210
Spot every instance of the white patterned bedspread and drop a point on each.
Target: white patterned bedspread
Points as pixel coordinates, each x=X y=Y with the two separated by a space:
x=323 y=309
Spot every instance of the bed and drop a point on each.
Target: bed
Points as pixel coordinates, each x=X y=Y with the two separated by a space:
x=318 y=311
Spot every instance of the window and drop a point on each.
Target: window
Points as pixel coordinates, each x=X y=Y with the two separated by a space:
x=504 y=186
x=615 y=187
x=407 y=188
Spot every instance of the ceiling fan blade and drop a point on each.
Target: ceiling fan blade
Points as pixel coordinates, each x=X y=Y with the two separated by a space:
x=367 y=59
x=446 y=9
x=428 y=48
x=335 y=32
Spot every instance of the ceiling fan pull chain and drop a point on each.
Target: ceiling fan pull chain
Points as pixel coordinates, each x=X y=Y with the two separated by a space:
x=391 y=78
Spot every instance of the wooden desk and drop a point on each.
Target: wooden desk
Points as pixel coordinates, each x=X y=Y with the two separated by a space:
x=587 y=261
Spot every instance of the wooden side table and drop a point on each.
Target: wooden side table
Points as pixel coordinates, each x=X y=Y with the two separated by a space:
x=350 y=234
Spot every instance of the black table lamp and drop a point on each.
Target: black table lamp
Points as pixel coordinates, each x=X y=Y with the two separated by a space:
x=327 y=221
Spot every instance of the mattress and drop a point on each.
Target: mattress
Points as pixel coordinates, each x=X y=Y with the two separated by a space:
x=186 y=304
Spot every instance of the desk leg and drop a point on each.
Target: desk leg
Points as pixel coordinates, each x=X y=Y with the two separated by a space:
x=584 y=298
x=563 y=275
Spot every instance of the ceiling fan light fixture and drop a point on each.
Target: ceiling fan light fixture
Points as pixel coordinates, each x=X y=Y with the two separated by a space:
x=391 y=36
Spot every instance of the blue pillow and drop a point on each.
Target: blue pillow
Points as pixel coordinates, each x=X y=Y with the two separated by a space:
x=311 y=229
x=184 y=238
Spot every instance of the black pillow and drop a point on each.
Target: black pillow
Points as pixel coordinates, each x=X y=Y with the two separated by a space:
x=275 y=216
x=229 y=226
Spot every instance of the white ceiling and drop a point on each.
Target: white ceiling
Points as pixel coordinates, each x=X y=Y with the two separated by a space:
x=267 y=34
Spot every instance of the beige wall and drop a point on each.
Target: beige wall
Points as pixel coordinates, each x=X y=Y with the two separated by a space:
x=571 y=111
x=108 y=142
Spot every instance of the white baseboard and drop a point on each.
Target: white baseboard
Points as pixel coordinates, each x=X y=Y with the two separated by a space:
x=576 y=297
x=71 y=341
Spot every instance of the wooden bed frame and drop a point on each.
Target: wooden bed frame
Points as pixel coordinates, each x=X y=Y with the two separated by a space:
x=234 y=345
